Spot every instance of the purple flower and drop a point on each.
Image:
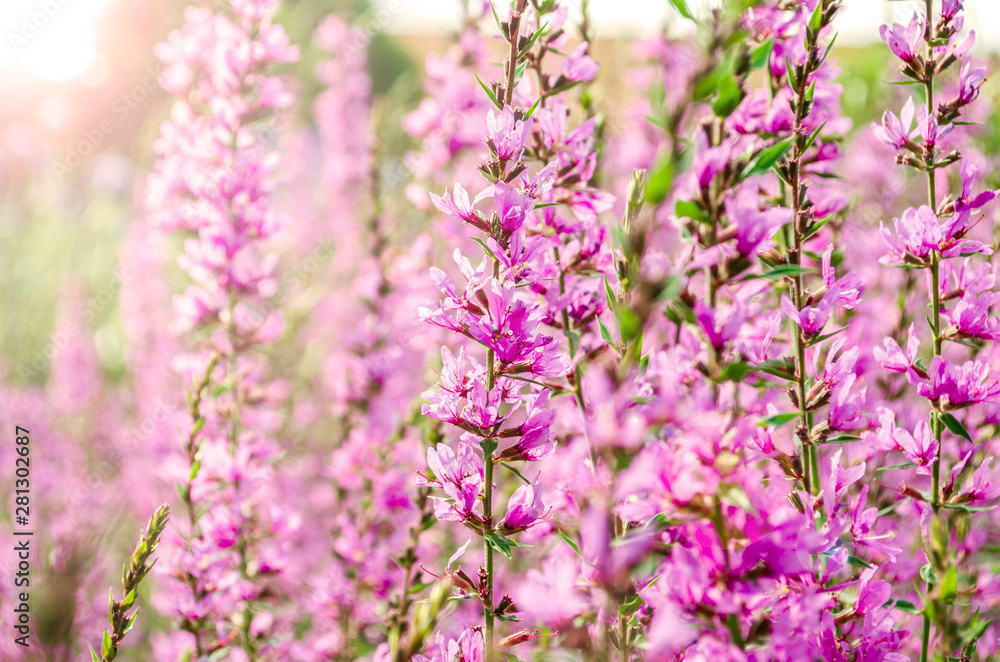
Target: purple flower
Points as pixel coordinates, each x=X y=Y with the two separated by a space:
x=968 y=202
x=919 y=232
x=460 y=473
x=835 y=371
x=506 y=135
x=920 y=447
x=710 y=163
x=969 y=81
x=579 y=66
x=971 y=317
x=524 y=509
x=753 y=226
x=509 y=329
x=719 y=329
x=812 y=319
x=896 y=131
x=893 y=360
x=954 y=387
x=927 y=127
x=949 y=8
x=846 y=405
x=511 y=207
x=460 y=207
x=905 y=42
x=535 y=438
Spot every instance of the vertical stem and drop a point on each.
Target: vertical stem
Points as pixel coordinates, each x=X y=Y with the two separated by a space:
x=488 y=615
x=935 y=307
x=489 y=618
x=234 y=415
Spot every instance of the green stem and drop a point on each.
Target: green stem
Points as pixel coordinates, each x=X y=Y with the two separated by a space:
x=935 y=312
x=488 y=615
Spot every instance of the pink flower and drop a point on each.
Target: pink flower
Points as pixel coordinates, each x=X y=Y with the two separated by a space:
x=920 y=448
x=905 y=42
x=954 y=387
x=720 y=328
x=812 y=319
x=753 y=226
x=846 y=405
x=505 y=134
x=460 y=207
x=970 y=317
x=579 y=66
x=524 y=508
x=893 y=360
x=969 y=81
x=896 y=131
x=461 y=474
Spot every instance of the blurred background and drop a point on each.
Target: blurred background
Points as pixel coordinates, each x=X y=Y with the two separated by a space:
x=80 y=107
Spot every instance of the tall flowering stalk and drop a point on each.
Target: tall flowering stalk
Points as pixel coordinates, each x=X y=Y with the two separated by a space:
x=212 y=187
x=933 y=237
x=507 y=398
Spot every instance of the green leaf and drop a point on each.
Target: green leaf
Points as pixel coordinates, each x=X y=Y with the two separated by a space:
x=736 y=372
x=856 y=562
x=107 y=647
x=519 y=72
x=609 y=295
x=816 y=20
x=949 y=585
x=813 y=136
x=489 y=93
x=777 y=420
x=904 y=606
x=969 y=509
x=657 y=122
x=605 y=334
x=628 y=323
x=131 y=622
x=689 y=209
x=891 y=467
x=707 y=84
x=569 y=541
x=929 y=574
x=632 y=606
x=659 y=182
x=728 y=98
x=786 y=271
x=488 y=446
x=93 y=655
x=817 y=341
x=842 y=439
x=497 y=19
x=531 y=111
x=111 y=606
x=531 y=42
x=766 y=158
x=682 y=8
x=486 y=249
x=514 y=471
x=498 y=542
x=955 y=426
x=760 y=55
x=780 y=369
